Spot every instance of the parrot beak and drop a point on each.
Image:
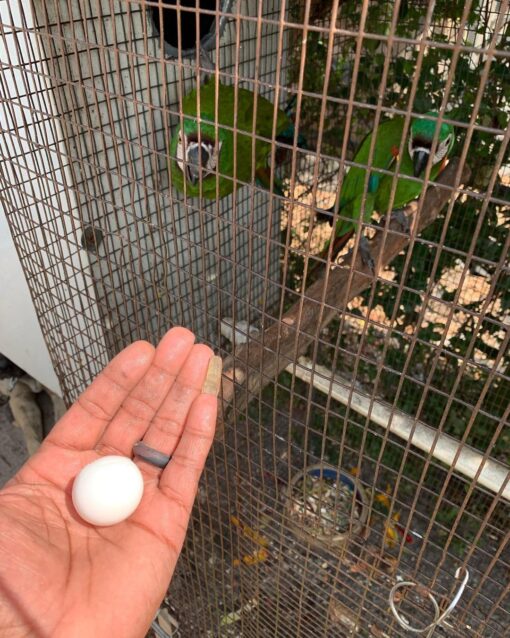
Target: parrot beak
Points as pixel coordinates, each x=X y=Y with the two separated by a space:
x=420 y=161
x=192 y=175
x=198 y=158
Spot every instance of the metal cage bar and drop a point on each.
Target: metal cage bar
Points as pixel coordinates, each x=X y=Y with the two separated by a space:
x=117 y=243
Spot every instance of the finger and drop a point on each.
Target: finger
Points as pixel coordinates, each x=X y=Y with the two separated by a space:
x=83 y=424
x=179 y=480
x=167 y=424
x=134 y=416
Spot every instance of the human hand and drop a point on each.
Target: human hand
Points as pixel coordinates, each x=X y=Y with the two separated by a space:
x=60 y=576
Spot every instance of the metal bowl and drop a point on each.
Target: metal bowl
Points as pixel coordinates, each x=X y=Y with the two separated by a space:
x=333 y=501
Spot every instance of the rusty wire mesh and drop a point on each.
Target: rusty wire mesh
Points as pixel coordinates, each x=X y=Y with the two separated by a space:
x=92 y=93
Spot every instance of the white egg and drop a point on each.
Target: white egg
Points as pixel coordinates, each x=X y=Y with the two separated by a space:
x=108 y=490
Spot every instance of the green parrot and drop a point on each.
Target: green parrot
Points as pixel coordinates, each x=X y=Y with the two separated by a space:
x=416 y=155
x=191 y=158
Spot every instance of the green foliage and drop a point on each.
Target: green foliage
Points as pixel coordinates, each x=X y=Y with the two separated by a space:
x=473 y=224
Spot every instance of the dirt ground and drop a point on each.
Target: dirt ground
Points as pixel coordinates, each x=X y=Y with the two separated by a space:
x=227 y=587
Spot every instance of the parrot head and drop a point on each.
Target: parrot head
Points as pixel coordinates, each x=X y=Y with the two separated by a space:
x=196 y=158
x=420 y=142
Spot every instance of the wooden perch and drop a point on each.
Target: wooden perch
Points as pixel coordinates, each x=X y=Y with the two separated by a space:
x=283 y=342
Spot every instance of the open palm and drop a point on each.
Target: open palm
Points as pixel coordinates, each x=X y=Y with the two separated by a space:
x=60 y=576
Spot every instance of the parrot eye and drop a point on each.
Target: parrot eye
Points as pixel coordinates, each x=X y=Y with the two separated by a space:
x=215 y=154
x=442 y=149
x=179 y=151
x=209 y=158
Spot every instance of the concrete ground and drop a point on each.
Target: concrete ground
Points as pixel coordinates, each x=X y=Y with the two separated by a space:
x=13 y=451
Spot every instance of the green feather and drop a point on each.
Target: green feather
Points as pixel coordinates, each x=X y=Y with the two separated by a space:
x=226 y=120
x=427 y=128
x=389 y=137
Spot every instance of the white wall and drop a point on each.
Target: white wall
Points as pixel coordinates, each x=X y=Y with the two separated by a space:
x=21 y=339
x=39 y=204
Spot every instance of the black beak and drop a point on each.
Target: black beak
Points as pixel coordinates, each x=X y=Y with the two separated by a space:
x=192 y=175
x=420 y=160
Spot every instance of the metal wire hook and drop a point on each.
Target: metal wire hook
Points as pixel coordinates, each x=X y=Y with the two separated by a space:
x=461 y=573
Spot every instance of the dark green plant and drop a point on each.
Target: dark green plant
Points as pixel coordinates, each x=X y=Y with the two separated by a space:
x=433 y=360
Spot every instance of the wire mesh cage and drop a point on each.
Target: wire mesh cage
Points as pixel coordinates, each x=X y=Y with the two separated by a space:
x=320 y=191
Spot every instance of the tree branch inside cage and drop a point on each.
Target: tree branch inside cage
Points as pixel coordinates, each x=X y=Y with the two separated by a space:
x=255 y=364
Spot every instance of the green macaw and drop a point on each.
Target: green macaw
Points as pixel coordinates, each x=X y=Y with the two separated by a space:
x=192 y=159
x=415 y=158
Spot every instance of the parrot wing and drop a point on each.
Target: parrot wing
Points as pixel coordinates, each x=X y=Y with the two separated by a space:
x=407 y=190
x=389 y=135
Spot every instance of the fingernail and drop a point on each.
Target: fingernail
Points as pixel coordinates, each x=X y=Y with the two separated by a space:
x=213 y=378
